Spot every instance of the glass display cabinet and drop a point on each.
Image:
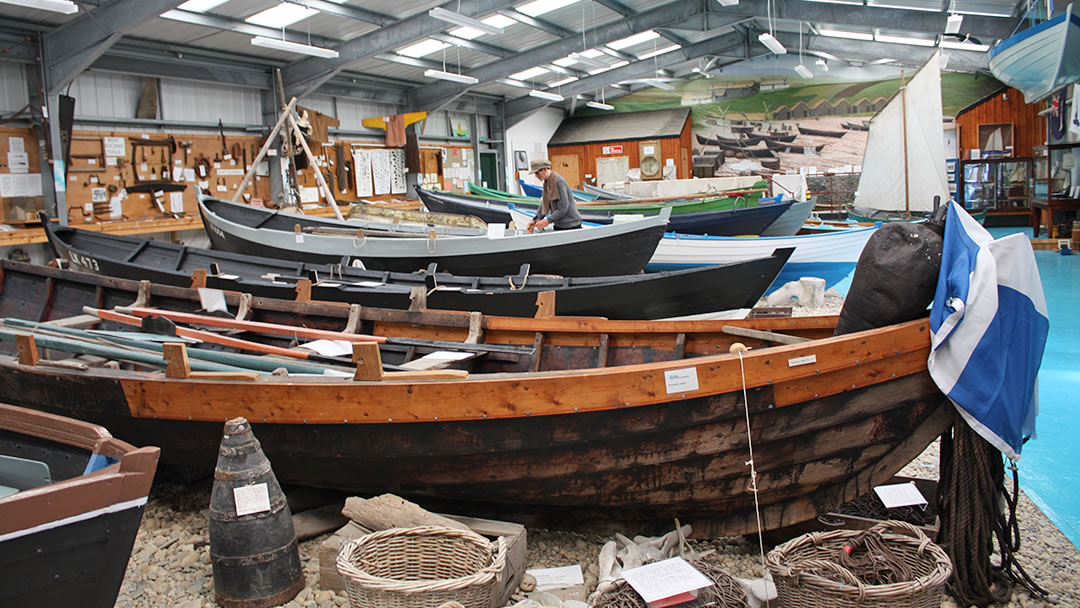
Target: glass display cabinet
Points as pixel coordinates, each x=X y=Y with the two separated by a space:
x=1000 y=185
x=1055 y=187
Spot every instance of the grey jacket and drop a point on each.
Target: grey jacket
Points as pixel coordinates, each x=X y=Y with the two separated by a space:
x=562 y=212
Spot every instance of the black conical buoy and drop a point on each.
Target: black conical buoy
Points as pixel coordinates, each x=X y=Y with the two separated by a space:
x=252 y=542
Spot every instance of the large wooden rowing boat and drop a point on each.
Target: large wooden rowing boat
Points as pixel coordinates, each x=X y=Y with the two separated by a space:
x=636 y=296
x=71 y=499
x=634 y=420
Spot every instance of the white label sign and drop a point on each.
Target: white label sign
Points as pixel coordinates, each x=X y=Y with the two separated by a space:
x=114 y=146
x=557 y=578
x=681 y=380
x=251 y=499
x=664 y=579
x=807 y=360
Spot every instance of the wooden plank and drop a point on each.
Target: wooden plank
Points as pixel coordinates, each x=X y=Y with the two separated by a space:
x=545 y=305
x=771 y=336
x=313 y=522
x=28 y=352
x=368 y=361
x=77 y=321
x=175 y=354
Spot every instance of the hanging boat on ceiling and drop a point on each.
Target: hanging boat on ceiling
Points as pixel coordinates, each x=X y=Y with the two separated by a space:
x=1040 y=59
x=638 y=421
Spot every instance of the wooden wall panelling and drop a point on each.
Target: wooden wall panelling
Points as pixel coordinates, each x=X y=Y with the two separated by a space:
x=1029 y=129
x=19 y=208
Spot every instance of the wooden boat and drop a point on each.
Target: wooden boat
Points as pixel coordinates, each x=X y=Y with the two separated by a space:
x=746 y=151
x=537 y=192
x=776 y=137
x=71 y=499
x=716 y=140
x=742 y=129
x=638 y=296
x=1040 y=59
x=596 y=251
x=855 y=127
x=658 y=429
x=792 y=220
x=790 y=149
x=603 y=194
x=820 y=132
x=705 y=201
x=861 y=214
x=744 y=220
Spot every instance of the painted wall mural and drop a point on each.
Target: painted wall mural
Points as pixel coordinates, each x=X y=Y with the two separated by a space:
x=811 y=125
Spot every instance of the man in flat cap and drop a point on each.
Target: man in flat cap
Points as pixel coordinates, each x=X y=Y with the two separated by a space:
x=557 y=205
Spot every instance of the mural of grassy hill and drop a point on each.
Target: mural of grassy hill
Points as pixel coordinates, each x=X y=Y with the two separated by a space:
x=957 y=91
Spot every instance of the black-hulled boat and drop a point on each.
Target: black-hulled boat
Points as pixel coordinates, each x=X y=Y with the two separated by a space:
x=71 y=499
x=613 y=249
x=821 y=132
x=638 y=296
x=744 y=220
x=716 y=140
x=790 y=149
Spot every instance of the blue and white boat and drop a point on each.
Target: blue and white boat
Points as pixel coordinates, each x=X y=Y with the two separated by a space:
x=1041 y=59
x=537 y=191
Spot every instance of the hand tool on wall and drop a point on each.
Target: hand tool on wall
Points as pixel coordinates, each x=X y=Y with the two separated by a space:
x=221 y=131
x=339 y=154
x=236 y=152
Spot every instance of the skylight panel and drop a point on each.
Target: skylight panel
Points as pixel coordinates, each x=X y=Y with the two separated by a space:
x=565 y=62
x=529 y=73
x=424 y=47
x=282 y=15
x=659 y=51
x=201 y=6
x=617 y=64
x=567 y=80
x=469 y=33
x=539 y=7
x=632 y=40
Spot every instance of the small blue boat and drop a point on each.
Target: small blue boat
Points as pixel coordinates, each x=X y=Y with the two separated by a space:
x=537 y=192
x=1041 y=59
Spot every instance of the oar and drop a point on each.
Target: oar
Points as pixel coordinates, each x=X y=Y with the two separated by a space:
x=240 y=360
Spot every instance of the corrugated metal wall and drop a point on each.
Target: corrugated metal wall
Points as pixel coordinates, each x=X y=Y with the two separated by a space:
x=188 y=101
x=106 y=95
x=352 y=111
x=13 y=91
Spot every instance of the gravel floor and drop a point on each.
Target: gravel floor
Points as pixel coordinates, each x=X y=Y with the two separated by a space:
x=170 y=564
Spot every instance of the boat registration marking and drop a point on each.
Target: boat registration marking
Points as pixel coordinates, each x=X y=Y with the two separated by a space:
x=807 y=360
x=681 y=380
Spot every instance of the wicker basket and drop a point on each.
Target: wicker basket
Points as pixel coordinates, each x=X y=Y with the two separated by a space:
x=791 y=565
x=421 y=567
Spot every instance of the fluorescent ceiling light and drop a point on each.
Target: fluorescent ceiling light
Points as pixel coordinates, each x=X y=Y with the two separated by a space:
x=660 y=51
x=952 y=24
x=904 y=7
x=424 y=47
x=442 y=14
x=804 y=71
x=567 y=80
x=599 y=106
x=964 y=46
x=513 y=83
x=545 y=95
x=858 y=2
x=770 y=41
x=293 y=47
x=539 y=7
x=824 y=66
x=844 y=34
x=881 y=61
x=452 y=77
x=282 y=15
x=468 y=33
x=728 y=2
x=903 y=40
x=200 y=6
x=56 y=6
x=529 y=73
x=632 y=40
x=660 y=84
x=586 y=59
x=983 y=13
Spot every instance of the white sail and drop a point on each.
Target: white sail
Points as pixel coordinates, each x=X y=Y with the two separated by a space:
x=881 y=185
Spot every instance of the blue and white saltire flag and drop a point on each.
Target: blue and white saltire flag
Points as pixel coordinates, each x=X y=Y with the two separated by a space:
x=988 y=329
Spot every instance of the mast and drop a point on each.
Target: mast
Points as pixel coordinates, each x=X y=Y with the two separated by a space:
x=903 y=112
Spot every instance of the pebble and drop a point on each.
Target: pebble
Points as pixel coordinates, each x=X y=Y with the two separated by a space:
x=170 y=563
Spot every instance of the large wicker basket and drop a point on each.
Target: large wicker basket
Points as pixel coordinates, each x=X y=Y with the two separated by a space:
x=797 y=586
x=421 y=567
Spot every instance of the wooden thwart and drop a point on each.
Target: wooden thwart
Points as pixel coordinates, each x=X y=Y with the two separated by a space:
x=369 y=367
x=176 y=357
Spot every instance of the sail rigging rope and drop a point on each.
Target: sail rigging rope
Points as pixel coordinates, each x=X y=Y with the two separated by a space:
x=753 y=470
x=971 y=490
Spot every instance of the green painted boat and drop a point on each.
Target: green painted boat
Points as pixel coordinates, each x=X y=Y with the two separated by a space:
x=861 y=215
x=694 y=205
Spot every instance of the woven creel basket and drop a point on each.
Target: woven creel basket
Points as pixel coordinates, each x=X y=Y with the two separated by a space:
x=793 y=563
x=422 y=567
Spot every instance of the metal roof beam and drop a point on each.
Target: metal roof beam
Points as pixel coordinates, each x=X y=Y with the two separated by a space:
x=240 y=26
x=170 y=66
x=346 y=10
x=904 y=54
x=304 y=76
x=415 y=62
x=617 y=6
x=518 y=109
x=539 y=24
x=433 y=96
x=483 y=47
x=71 y=48
x=15 y=47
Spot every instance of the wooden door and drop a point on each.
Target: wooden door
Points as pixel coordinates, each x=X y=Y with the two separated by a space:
x=568 y=166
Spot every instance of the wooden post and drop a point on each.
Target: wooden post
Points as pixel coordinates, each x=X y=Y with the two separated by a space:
x=318 y=174
x=28 y=353
x=303 y=290
x=418 y=298
x=175 y=354
x=198 y=278
x=368 y=361
x=545 y=305
x=262 y=152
